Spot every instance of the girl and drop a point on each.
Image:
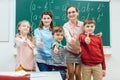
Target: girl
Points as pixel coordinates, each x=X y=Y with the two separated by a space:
x=43 y=41
x=24 y=44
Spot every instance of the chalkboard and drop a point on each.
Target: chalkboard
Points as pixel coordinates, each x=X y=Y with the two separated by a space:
x=99 y=10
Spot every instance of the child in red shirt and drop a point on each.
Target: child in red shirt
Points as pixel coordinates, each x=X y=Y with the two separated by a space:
x=92 y=52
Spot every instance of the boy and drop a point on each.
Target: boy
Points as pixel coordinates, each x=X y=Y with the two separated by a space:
x=58 y=52
x=92 y=52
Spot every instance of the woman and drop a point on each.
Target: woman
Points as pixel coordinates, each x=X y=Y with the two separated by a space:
x=72 y=30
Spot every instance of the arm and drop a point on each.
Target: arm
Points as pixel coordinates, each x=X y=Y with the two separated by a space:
x=82 y=38
x=67 y=34
x=103 y=63
x=55 y=47
x=99 y=34
x=70 y=36
x=18 y=42
x=38 y=39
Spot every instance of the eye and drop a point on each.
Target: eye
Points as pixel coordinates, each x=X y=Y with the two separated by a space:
x=87 y=26
x=92 y=26
x=71 y=12
x=61 y=34
x=48 y=18
x=28 y=26
x=57 y=34
x=24 y=25
x=44 y=18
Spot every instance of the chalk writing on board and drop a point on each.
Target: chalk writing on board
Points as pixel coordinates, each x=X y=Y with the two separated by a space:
x=100 y=6
x=88 y=9
x=46 y=6
x=99 y=17
x=52 y=1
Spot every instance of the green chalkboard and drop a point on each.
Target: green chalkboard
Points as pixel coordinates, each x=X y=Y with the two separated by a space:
x=99 y=10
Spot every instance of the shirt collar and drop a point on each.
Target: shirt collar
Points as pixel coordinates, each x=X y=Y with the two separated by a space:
x=45 y=28
x=71 y=24
x=60 y=44
x=90 y=34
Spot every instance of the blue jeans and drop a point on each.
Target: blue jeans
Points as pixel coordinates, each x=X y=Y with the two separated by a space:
x=44 y=67
x=62 y=72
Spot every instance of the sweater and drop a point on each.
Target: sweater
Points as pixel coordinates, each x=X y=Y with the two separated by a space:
x=69 y=29
x=92 y=53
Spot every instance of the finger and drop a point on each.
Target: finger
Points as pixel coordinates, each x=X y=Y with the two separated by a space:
x=26 y=38
x=100 y=33
x=73 y=35
x=40 y=39
x=17 y=35
x=70 y=34
x=56 y=46
x=87 y=34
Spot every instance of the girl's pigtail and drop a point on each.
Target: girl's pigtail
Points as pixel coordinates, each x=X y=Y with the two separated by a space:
x=31 y=37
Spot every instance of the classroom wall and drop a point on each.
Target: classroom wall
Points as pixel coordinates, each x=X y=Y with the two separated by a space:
x=7 y=50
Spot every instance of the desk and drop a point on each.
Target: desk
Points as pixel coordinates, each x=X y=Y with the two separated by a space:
x=35 y=75
x=45 y=76
x=6 y=77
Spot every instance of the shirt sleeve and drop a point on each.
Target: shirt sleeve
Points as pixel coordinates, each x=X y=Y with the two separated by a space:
x=67 y=34
x=82 y=38
x=18 y=41
x=53 y=45
x=102 y=52
x=31 y=45
x=37 y=36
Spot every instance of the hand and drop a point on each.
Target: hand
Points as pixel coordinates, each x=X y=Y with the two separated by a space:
x=25 y=41
x=80 y=49
x=104 y=73
x=73 y=39
x=67 y=75
x=17 y=35
x=40 y=44
x=99 y=34
x=87 y=39
x=55 y=49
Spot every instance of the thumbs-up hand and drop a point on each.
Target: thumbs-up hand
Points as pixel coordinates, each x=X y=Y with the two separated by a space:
x=73 y=39
x=25 y=41
x=87 y=39
x=99 y=34
x=41 y=44
x=55 y=49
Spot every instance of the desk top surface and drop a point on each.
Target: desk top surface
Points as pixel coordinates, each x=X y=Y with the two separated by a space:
x=37 y=75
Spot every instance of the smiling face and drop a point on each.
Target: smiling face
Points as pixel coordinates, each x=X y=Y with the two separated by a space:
x=89 y=25
x=58 y=33
x=24 y=28
x=72 y=13
x=89 y=28
x=58 y=36
x=46 y=20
